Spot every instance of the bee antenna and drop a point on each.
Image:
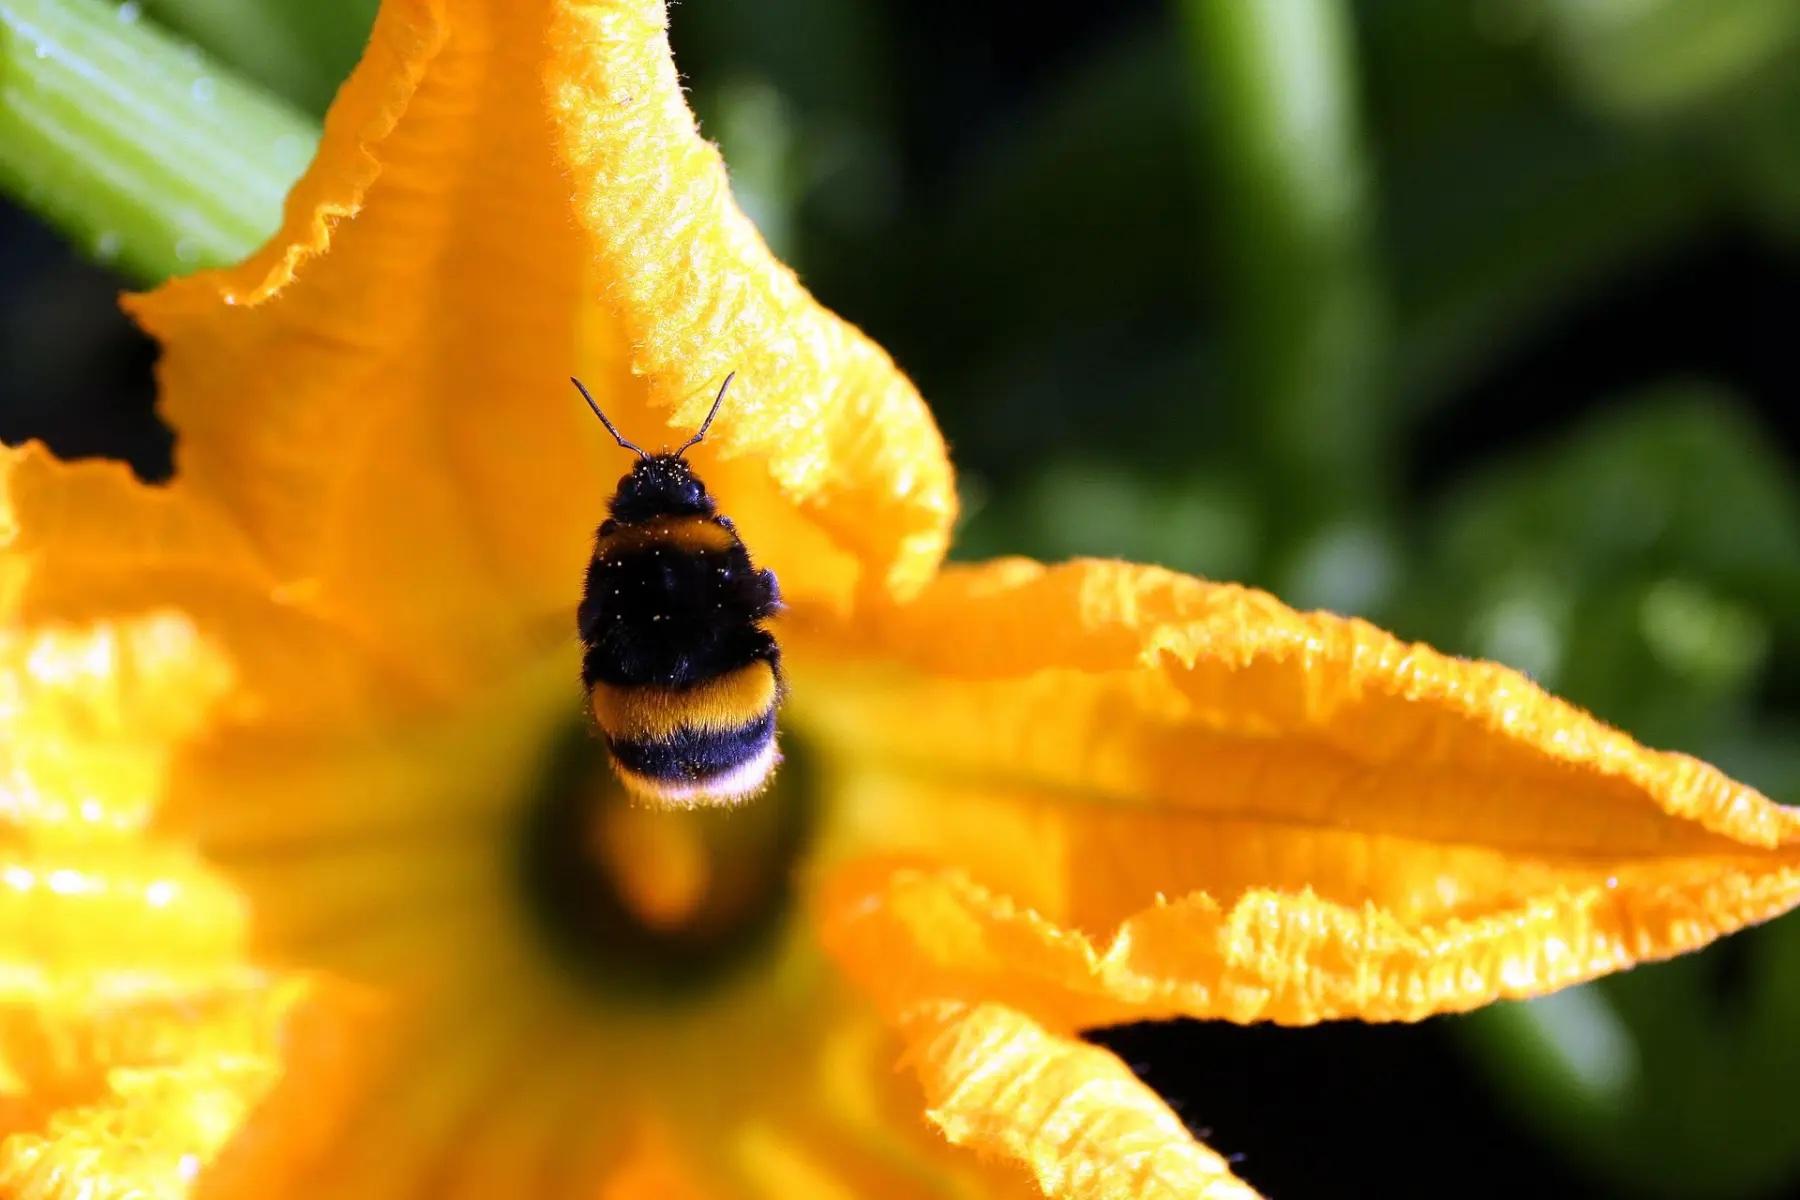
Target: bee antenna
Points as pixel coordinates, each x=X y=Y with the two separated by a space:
x=617 y=436
x=713 y=412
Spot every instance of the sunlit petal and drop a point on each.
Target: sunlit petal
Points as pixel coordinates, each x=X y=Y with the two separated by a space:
x=1071 y=1114
x=1112 y=791
x=816 y=404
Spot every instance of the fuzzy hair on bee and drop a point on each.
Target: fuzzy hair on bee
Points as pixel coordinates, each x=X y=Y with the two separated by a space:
x=682 y=679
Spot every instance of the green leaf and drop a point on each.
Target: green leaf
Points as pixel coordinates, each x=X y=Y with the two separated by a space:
x=1204 y=524
x=1718 y=78
x=1724 y=76
x=1506 y=204
x=1093 y=175
x=148 y=155
x=1679 y=480
x=1524 y=213
x=1645 y=59
x=1647 y=566
x=1667 y=1077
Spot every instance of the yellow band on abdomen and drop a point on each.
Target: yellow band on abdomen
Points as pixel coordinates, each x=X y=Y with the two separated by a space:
x=683 y=533
x=719 y=705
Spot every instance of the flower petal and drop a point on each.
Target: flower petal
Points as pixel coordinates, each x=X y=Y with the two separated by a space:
x=92 y=719
x=135 y=1041
x=86 y=542
x=140 y=1095
x=1072 y=1114
x=92 y=716
x=1234 y=810
x=699 y=294
x=652 y=1170
x=119 y=946
x=372 y=412
x=377 y=396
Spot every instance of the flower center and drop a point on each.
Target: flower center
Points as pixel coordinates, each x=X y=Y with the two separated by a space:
x=645 y=901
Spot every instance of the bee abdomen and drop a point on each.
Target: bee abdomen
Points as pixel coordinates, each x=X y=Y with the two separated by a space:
x=710 y=742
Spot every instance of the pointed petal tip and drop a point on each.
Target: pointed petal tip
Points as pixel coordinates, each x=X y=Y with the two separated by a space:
x=1241 y=811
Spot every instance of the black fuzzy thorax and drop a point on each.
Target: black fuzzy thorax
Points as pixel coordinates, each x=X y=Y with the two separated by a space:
x=661 y=615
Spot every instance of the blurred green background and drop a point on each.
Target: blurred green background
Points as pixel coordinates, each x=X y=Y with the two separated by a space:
x=1475 y=317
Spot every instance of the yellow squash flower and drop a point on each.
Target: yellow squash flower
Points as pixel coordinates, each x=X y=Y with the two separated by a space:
x=313 y=882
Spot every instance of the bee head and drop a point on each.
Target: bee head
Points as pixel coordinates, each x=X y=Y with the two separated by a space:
x=660 y=485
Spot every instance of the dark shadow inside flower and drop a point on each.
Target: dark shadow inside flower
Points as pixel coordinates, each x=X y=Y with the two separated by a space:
x=659 y=903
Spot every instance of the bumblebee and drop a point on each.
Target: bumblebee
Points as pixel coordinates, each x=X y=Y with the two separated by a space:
x=682 y=678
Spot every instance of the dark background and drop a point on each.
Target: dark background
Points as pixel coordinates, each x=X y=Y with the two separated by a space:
x=1588 y=292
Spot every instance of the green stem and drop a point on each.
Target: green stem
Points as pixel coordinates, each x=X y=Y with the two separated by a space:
x=300 y=49
x=1303 y=313
x=148 y=156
